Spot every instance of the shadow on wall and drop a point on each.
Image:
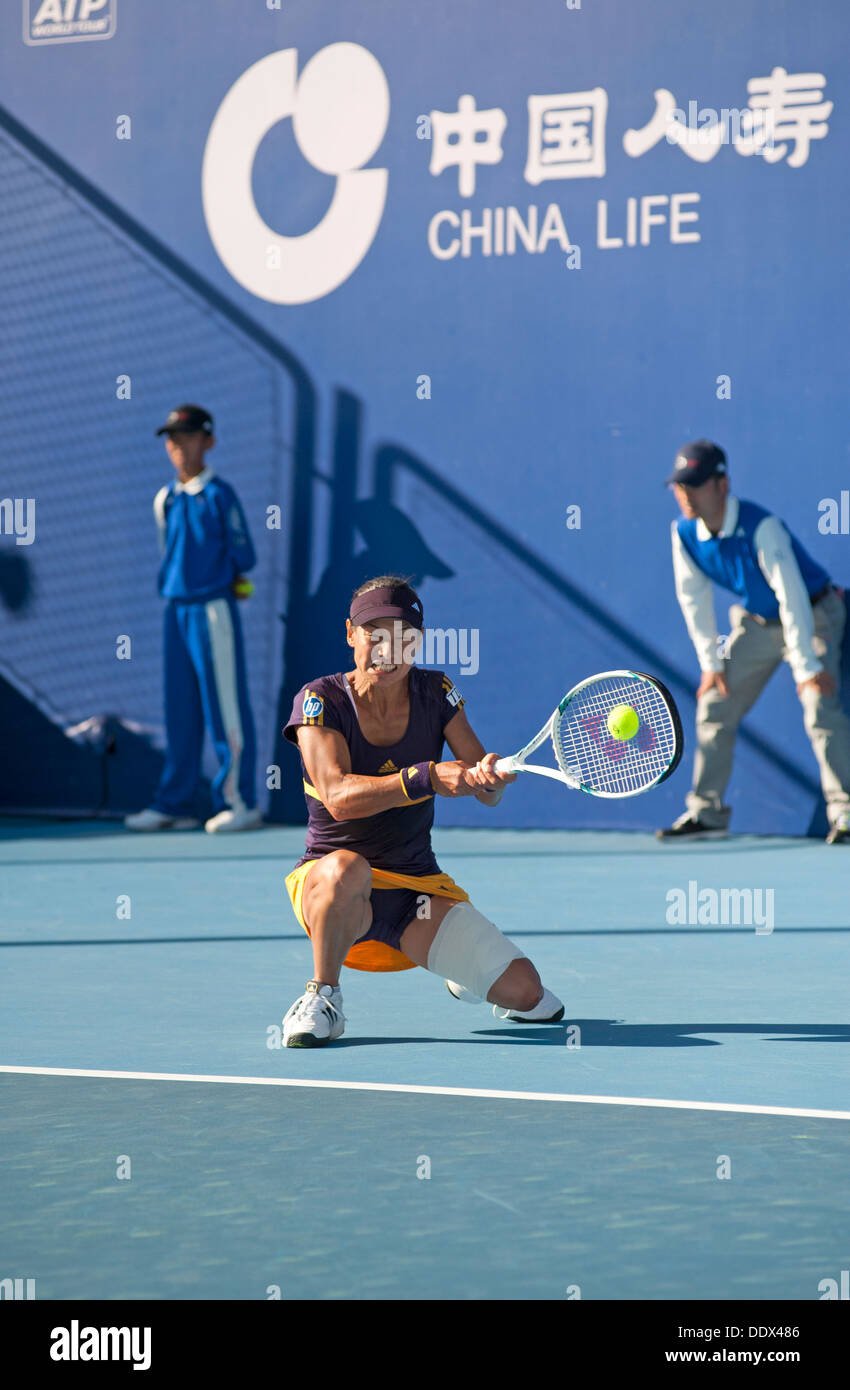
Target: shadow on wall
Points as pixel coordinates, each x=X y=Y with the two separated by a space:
x=16 y=584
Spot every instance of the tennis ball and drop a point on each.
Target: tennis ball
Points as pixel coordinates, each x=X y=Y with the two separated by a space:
x=243 y=588
x=623 y=722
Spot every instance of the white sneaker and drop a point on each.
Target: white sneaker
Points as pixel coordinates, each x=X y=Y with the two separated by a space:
x=549 y=1010
x=234 y=820
x=157 y=820
x=462 y=993
x=316 y=1018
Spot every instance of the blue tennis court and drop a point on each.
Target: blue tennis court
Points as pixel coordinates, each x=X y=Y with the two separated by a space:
x=683 y=1133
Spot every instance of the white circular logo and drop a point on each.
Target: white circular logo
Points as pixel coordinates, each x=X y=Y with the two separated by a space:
x=340 y=107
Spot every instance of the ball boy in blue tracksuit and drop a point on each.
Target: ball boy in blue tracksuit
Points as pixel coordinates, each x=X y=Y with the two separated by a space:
x=206 y=549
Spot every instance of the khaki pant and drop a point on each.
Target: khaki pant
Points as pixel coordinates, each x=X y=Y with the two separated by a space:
x=754 y=652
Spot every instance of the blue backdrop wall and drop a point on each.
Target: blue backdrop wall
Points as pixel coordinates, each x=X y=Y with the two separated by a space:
x=454 y=298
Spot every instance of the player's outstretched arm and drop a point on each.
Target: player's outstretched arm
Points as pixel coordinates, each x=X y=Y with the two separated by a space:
x=349 y=796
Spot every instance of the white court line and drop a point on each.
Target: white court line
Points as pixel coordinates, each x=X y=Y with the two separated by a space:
x=437 y=1091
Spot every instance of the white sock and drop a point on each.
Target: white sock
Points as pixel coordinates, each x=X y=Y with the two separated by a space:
x=549 y=1005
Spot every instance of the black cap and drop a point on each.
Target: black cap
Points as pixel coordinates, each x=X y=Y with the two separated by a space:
x=697 y=462
x=187 y=419
x=390 y=601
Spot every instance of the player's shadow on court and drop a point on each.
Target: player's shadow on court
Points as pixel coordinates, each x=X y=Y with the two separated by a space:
x=602 y=1032
x=610 y=1032
x=550 y=1034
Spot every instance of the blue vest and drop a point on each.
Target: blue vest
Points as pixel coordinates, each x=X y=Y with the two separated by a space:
x=732 y=561
x=206 y=542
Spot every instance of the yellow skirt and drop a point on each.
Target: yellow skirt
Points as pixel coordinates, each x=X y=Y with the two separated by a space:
x=377 y=955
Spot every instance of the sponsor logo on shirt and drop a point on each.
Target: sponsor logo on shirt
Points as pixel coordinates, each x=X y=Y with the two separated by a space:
x=452 y=693
x=388 y=766
x=313 y=708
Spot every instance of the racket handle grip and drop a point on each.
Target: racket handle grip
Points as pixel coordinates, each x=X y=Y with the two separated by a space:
x=505 y=765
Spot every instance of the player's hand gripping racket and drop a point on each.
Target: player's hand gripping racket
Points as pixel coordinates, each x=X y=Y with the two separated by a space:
x=616 y=734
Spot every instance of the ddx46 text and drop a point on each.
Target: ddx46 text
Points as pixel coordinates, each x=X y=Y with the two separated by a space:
x=707 y=1333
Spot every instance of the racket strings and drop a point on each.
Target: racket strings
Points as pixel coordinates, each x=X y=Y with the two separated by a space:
x=587 y=752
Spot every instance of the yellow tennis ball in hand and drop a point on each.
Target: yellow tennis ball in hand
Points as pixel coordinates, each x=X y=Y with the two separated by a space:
x=623 y=722
x=243 y=588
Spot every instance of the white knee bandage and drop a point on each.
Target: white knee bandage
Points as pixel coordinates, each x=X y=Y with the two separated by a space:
x=471 y=950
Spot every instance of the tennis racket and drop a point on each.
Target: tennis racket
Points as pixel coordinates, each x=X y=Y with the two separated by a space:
x=589 y=758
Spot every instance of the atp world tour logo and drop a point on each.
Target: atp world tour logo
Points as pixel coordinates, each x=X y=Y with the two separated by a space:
x=339 y=108
x=67 y=21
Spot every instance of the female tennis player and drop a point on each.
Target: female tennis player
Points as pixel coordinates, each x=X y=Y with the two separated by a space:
x=368 y=889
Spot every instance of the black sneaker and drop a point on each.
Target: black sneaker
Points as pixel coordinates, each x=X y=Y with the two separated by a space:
x=688 y=828
x=840 y=832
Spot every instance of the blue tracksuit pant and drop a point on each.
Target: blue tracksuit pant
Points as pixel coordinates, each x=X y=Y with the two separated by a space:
x=206 y=685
